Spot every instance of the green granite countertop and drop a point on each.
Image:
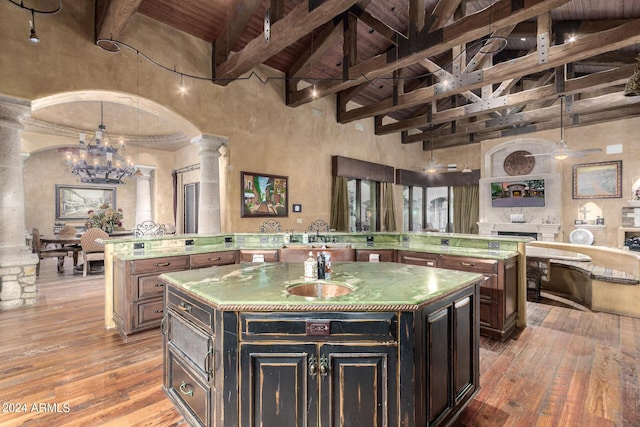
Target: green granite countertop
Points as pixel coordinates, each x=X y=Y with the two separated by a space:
x=202 y=249
x=376 y=286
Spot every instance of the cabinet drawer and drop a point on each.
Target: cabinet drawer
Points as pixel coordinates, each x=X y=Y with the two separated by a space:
x=191 y=310
x=153 y=265
x=191 y=342
x=189 y=389
x=418 y=258
x=386 y=255
x=246 y=255
x=149 y=287
x=213 y=258
x=476 y=265
x=148 y=313
x=380 y=327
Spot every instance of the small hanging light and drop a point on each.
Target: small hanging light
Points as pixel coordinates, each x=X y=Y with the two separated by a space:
x=632 y=88
x=33 y=36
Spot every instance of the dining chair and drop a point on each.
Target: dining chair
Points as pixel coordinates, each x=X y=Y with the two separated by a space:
x=70 y=230
x=42 y=253
x=92 y=250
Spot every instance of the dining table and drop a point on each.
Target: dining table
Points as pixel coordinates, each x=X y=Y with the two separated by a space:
x=61 y=241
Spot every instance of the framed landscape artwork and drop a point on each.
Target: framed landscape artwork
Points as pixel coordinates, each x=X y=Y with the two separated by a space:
x=264 y=195
x=75 y=201
x=601 y=180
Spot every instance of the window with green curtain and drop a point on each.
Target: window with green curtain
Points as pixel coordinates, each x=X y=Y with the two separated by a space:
x=466 y=209
x=339 y=220
x=388 y=208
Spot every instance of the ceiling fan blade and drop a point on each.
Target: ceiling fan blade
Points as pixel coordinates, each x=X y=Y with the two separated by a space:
x=538 y=155
x=580 y=153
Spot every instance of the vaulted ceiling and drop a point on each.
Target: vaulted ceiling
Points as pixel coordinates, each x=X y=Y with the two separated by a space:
x=439 y=72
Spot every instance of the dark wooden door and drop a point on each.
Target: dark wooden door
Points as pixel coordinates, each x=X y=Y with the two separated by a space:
x=358 y=385
x=278 y=385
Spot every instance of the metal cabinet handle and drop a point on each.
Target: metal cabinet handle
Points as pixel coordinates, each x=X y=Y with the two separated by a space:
x=313 y=366
x=467 y=264
x=184 y=390
x=324 y=366
x=208 y=360
x=184 y=307
x=160 y=311
x=163 y=330
x=162 y=264
x=158 y=285
x=217 y=258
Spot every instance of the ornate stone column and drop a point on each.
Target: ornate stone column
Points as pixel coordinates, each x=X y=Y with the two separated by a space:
x=209 y=202
x=17 y=263
x=144 y=211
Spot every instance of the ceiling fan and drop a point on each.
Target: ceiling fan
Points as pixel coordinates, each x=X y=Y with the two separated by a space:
x=561 y=151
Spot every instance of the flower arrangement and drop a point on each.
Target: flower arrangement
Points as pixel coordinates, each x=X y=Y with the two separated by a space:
x=106 y=218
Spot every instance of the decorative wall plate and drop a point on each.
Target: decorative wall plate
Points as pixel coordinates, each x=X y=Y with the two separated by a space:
x=519 y=163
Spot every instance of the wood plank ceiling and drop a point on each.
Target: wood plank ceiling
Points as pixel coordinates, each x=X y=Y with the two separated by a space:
x=439 y=72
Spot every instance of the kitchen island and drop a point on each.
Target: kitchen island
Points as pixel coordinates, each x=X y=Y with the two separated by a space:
x=373 y=344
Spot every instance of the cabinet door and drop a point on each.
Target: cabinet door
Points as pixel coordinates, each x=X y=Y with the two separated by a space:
x=358 y=385
x=439 y=372
x=278 y=385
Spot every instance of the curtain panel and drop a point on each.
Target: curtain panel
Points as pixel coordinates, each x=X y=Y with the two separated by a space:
x=339 y=220
x=466 y=209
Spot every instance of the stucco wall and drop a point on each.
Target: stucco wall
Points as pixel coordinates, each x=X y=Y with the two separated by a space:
x=622 y=132
x=264 y=135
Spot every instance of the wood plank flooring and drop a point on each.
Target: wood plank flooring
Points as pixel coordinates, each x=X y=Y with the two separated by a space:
x=60 y=367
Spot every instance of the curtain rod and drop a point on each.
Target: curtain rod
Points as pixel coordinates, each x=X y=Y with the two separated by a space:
x=187 y=168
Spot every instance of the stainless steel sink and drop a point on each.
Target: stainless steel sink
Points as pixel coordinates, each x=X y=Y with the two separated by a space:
x=319 y=289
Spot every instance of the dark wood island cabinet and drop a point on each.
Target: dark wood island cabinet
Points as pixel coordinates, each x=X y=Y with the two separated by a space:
x=242 y=350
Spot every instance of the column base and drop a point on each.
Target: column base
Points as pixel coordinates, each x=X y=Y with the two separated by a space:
x=17 y=278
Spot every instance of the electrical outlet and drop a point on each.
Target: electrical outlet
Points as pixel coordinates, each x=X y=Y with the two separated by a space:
x=138 y=245
x=188 y=242
x=494 y=245
x=444 y=242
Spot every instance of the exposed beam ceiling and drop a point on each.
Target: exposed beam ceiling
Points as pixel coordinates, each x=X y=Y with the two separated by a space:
x=447 y=72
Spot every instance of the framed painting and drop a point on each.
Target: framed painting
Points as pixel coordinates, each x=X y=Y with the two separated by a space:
x=601 y=180
x=264 y=195
x=75 y=201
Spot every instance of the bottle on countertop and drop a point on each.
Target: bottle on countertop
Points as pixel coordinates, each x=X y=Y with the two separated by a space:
x=310 y=267
x=287 y=238
x=321 y=266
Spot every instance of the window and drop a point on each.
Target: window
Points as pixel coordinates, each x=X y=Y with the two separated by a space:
x=363 y=205
x=427 y=208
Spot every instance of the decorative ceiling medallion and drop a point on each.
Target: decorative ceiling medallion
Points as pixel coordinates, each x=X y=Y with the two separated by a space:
x=519 y=163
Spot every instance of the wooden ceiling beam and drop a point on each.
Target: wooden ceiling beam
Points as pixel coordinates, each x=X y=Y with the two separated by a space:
x=467 y=29
x=241 y=12
x=585 y=47
x=298 y=23
x=326 y=39
x=112 y=19
x=442 y=13
x=549 y=114
x=594 y=81
x=376 y=25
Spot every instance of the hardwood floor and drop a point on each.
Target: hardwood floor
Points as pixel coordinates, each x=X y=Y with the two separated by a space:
x=59 y=367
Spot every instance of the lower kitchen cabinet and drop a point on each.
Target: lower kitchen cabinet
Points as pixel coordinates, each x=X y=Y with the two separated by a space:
x=318 y=384
x=137 y=292
x=424 y=259
x=303 y=369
